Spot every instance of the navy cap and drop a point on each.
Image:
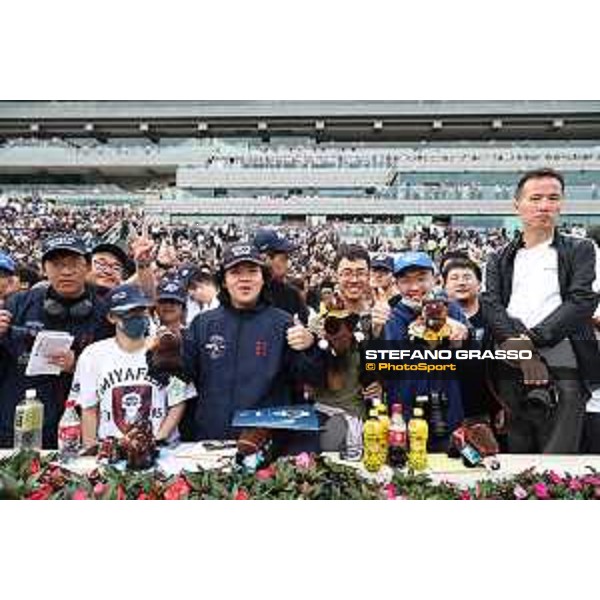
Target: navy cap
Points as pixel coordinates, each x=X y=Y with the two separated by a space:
x=64 y=242
x=239 y=253
x=113 y=249
x=269 y=240
x=126 y=297
x=382 y=261
x=7 y=263
x=410 y=260
x=171 y=289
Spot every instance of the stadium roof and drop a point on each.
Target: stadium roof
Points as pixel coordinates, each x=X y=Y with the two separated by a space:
x=324 y=120
x=160 y=109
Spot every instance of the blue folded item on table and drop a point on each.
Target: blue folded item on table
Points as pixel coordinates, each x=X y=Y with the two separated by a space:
x=299 y=417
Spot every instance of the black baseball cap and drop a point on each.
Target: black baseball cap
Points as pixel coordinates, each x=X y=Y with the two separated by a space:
x=64 y=242
x=115 y=250
x=240 y=253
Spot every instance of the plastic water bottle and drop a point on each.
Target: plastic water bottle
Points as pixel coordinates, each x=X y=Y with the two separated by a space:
x=418 y=432
x=69 y=433
x=29 y=422
x=372 y=452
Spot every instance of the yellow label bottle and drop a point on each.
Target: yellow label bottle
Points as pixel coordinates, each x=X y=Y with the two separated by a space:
x=418 y=432
x=372 y=453
x=384 y=419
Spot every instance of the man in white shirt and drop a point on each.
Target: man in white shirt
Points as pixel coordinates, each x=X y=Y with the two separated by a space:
x=539 y=297
x=112 y=384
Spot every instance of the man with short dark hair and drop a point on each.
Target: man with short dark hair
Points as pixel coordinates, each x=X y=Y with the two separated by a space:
x=67 y=304
x=539 y=297
x=246 y=353
x=462 y=282
x=276 y=250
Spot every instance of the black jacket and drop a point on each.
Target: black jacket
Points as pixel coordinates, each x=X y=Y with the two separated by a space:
x=286 y=297
x=572 y=319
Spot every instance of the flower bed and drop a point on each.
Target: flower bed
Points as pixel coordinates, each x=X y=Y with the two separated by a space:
x=27 y=475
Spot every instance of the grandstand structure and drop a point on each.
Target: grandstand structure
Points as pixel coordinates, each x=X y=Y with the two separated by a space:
x=455 y=161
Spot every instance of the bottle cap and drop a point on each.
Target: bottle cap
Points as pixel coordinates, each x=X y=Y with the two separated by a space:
x=70 y=404
x=30 y=394
x=373 y=413
x=397 y=408
x=418 y=412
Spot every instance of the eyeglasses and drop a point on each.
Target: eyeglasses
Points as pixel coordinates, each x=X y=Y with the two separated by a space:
x=107 y=267
x=349 y=273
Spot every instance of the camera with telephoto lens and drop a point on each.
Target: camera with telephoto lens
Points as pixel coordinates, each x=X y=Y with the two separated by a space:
x=543 y=396
x=438 y=403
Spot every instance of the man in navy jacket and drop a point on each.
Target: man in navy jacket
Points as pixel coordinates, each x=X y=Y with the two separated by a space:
x=246 y=353
x=66 y=304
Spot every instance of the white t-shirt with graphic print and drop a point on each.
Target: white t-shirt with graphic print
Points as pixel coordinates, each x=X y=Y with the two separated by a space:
x=115 y=380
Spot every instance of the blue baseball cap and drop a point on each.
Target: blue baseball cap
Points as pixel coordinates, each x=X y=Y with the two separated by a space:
x=410 y=260
x=269 y=240
x=63 y=242
x=126 y=297
x=382 y=261
x=7 y=263
x=171 y=289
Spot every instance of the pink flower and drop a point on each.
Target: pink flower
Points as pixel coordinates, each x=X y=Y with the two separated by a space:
x=575 y=485
x=121 y=493
x=390 y=491
x=79 y=495
x=541 y=491
x=555 y=478
x=99 y=489
x=34 y=467
x=143 y=496
x=266 y=473
x=241 y=495
x=304 y=460
x=520 y=492
x=465 y=495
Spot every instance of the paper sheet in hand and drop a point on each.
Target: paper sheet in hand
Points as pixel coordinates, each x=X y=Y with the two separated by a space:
x=300 y=417
x=46 y=344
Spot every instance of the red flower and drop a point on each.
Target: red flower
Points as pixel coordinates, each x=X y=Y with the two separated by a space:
x=575 y=485
x=178 y=489
x=79 y=495
x=266 y=473
x=143 y=496
x=465 y=495
x=42 y=493
x=34 y=467
x=541 y=491
x=241 y=495
x=121 y=493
